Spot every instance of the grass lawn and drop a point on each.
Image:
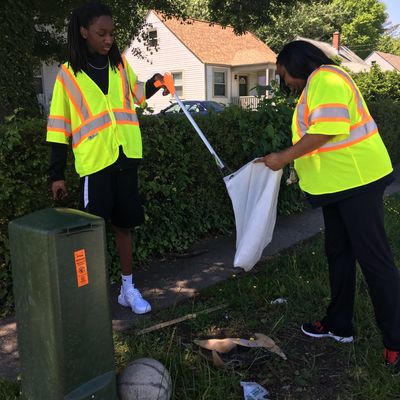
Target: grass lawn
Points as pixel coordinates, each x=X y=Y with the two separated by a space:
x=315 y=369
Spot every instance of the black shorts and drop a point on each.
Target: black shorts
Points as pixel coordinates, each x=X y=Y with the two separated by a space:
x=113 y=195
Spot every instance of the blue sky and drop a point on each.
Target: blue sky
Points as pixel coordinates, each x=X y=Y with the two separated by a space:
x=393 y=9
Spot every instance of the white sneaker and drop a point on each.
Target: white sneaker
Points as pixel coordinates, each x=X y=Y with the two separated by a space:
x=133 y=299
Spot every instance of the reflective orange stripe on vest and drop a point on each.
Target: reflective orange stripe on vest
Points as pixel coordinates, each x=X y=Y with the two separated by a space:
x=125 y=116
x=91 y=124
x=125 y=87
x=335 y=113
x=58 y=123
x=90 y=127
x=78 y=100
x=138 y=87
x=329 y=112
x=138 y=92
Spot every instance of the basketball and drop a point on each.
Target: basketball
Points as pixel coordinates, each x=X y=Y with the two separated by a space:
x=144 y=379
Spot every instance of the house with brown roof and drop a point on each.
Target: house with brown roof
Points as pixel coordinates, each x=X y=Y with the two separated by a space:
x=208 y=61
x=386 y=61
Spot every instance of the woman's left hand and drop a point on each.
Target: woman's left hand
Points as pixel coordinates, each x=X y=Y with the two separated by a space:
x=274 y=161
x=159 y=77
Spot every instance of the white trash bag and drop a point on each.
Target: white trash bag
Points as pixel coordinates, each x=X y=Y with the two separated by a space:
x=253 y=190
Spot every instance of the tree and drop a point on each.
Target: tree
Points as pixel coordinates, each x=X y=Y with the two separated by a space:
x=359 y=21
x=389 y=42
x=17 y=63
x=197 y=9
x=314 y=22
x=362 y=24
x=35 y=30
x=246 y=15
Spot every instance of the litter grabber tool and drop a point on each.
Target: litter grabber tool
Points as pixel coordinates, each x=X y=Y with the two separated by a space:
x=253 y=190
x=169 y=84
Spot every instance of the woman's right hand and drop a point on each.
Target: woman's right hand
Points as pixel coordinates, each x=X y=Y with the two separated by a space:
x=59 y=190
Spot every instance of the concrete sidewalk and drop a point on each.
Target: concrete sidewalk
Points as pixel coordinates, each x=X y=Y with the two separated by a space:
x=166 y=282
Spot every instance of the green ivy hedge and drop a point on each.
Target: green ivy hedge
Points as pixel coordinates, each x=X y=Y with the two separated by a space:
x=181 y=186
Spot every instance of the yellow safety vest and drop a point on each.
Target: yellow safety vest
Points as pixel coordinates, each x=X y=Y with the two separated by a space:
x=96 y=123
x=331 y=104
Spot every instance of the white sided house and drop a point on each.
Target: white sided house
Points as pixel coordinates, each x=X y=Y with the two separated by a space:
x=208 y=62
x=386 y=61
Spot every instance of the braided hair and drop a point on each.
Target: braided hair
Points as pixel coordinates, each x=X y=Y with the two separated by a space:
x=77 y=49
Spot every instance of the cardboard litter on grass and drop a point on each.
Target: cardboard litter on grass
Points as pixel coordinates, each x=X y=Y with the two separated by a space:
x=229 y=352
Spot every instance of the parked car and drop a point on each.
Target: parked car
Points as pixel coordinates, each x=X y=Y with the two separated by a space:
x=194 y=107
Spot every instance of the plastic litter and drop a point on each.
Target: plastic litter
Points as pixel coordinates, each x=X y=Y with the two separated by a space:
x=253 y=190
x=253 y=391
x=279 y=300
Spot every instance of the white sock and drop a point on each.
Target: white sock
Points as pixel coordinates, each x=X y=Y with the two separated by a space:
x=126 y=281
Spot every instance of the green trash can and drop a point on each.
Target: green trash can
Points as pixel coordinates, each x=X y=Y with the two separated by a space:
x=62 y=306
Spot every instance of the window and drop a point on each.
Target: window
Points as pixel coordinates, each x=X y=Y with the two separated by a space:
x=178 y=82
x=271 y=75
x=220 y=83
x=152 y=39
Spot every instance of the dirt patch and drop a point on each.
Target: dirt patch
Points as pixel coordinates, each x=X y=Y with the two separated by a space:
x=315 y=368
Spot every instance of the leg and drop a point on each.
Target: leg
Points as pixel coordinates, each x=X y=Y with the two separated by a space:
x=364 y=219
x=127 y=213
x=123 y=241
x=342 y=273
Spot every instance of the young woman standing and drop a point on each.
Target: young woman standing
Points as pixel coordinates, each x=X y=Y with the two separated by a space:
x=93 y=108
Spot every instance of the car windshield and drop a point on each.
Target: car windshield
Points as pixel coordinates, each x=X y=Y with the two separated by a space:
x=174 y=108
x=194 y=107
x=213 y=105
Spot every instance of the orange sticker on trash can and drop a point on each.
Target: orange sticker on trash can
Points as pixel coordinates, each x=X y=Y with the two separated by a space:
x=81 y=268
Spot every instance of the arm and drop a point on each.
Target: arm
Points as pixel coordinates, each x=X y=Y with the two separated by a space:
x=151 y=89
x=306 y=144
x=58 y=133
x=58 y=161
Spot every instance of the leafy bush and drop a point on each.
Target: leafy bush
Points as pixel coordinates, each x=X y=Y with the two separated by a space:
x=182 y=190
x=377 y=85
x=23 y=183
x=386 y=115
x=16 y=67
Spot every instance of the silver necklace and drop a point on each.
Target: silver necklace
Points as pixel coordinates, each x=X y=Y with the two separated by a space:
x=99 y=68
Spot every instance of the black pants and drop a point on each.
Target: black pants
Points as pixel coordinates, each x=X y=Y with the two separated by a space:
x=354 y=231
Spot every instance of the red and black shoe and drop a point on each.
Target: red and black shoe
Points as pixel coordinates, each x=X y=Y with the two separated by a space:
x=317 y=330
x=392 y=359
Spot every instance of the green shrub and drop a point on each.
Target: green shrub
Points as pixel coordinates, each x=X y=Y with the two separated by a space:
x=16 y=67
x=182 y=189
x=386 y=114
x=377 y=85
x=23 y=164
